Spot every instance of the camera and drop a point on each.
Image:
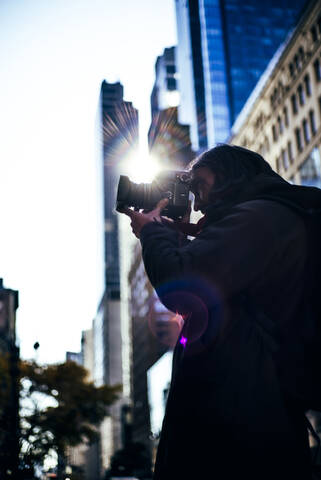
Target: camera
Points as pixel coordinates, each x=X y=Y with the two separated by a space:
x=171 y=184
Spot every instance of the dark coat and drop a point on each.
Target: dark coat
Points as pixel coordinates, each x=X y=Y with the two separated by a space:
x=230 y=411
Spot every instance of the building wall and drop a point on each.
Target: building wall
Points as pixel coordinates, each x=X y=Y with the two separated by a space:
x=187 y=108
x=282 y=119
x=165 y=93
x=87 y=348
x=154 y=331
x=168 y=139
x=91 y=458
x=107 y=369
x=119 y=124
x=226 y=45
x=84 y=458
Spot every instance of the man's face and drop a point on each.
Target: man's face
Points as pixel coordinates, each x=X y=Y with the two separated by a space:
x=202 y=183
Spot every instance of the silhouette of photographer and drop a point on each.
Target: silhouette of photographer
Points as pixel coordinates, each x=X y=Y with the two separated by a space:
x=236 y=405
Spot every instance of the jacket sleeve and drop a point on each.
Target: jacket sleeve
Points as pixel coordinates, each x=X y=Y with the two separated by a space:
x=232 y=252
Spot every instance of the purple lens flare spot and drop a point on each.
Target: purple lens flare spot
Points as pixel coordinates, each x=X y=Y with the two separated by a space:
x=183 y=341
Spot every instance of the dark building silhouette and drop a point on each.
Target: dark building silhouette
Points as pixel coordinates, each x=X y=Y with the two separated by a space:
x=223 y=48
x=168 y=140
x=120 y=136
x=118 y=122
x=154 y=332
x=9 y=391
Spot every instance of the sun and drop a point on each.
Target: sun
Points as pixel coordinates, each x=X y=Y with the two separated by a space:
x=140 y=167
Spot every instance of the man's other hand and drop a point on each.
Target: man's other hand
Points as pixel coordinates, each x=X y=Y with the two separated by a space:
x=139 y=219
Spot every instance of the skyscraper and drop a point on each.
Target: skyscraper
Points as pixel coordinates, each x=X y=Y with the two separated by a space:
x=168 y=139
x=223 y=48
x=120 y=135
x=119 y=124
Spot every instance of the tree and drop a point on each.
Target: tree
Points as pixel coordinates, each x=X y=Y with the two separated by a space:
x=60 y=408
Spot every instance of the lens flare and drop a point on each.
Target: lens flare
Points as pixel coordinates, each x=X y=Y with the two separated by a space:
x=140 y=167
x=198 y=307
x=120 y=133
x=170 y=140
x=163 y=324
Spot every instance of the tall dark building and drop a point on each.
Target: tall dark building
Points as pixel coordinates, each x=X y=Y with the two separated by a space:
x=223 y=48
x=9 y=390
x=119 y=125
x=120 y=135
x=165 y=92
x=168 y=140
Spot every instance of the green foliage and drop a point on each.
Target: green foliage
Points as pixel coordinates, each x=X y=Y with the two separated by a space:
x=60 y=408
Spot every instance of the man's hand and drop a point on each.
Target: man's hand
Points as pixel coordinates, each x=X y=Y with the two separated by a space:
x=139 y=219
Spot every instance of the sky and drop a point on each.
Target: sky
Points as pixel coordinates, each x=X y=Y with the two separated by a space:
x=54 y=55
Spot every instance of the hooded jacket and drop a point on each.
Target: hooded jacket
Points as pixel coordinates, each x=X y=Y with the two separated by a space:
x=235 y=403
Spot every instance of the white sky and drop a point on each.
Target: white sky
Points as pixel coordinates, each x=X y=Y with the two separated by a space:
x=54 y=56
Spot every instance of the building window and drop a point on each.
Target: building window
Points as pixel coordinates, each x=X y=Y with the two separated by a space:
x=286 y=116
x=298 y=137
x=314 y=33
x=291 y=69
x=280 y=125
x=306 y=131
x=298 y=62
x=312 y=122
x=317 y=70
x=171 y=84
x=170 y=68
x=301 y=95
x=310 y=170
x=290 y=152
x=285 y=160
x=294 y=104
x=307 y=85
x=274 y=135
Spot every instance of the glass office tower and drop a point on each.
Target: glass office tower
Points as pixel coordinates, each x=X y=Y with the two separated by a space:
x=223 y=48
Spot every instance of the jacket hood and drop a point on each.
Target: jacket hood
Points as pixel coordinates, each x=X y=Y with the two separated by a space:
x=304 y=200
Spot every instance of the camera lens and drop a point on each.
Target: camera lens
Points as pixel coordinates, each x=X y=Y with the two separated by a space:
x=142 y=195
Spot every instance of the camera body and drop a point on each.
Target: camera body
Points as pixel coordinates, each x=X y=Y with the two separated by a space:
x=171 y=184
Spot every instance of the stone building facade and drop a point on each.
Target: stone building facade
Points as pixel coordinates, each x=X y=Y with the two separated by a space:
x=282 y=117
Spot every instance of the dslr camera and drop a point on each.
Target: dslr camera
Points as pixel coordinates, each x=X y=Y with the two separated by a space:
x=171 y=184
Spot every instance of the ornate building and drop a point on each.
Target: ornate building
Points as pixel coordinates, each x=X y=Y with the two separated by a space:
x=282 y=117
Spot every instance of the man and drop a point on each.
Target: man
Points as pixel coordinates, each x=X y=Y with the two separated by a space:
x=235 y=407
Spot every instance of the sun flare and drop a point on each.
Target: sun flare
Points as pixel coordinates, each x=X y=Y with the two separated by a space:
x=141 y=168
